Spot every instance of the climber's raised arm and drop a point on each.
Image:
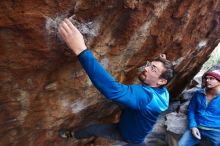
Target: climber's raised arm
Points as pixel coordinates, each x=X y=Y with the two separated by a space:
x=100 y=78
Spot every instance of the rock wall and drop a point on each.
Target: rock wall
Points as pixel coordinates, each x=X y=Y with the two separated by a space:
x=42 y=85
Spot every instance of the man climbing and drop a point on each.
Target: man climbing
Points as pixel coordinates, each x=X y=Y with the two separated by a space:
x=204 y=113
x=142 y=103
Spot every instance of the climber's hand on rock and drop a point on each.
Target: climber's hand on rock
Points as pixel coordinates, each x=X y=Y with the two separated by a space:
x=72 y=36
x=196 y=133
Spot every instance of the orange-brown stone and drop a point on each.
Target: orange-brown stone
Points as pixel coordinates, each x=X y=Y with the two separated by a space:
x=42 y=85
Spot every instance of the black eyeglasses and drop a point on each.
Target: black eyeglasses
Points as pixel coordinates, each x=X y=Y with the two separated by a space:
x=152 y=67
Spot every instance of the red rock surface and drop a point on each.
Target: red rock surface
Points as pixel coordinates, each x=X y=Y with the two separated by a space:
x=42 y=85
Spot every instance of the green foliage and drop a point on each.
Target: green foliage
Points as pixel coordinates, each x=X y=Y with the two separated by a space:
x=214 y=59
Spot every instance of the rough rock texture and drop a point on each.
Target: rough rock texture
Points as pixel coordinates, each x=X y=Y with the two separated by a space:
x=42 y=85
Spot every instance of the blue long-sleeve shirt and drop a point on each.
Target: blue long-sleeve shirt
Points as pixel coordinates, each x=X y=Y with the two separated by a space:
x=143 y=104
x=202 y=114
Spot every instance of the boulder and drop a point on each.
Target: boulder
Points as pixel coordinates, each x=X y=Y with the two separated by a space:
x=43 y=87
